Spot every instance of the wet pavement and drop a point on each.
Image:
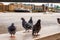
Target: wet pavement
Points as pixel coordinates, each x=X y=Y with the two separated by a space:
x=47 y=31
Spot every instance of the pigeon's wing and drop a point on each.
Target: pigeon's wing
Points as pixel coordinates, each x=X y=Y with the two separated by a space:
x=30 y=21
x=25 y=25
x=12 y=30
x=9 y=28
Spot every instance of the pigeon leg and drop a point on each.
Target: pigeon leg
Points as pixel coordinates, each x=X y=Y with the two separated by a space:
x=36 y=34
x=11 y=35
x=25 y=31
x=33 y=34
x=28 y=30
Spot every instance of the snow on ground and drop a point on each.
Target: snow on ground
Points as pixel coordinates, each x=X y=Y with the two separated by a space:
x=48 y=23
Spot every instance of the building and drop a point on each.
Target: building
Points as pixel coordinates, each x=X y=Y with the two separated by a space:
x=2 y=7
x=11 y=7
x=31 y=7
x=40 y=8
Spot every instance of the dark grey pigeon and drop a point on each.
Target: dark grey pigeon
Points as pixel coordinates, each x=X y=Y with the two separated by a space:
x=26 y=25
x=58 y=20
x=30 y=22
x=36 y=28
x=12 y=29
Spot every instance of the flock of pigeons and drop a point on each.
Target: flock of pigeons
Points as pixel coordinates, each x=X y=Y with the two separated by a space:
x=28 y=26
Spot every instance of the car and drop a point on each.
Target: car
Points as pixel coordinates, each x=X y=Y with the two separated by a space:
x=21 y=10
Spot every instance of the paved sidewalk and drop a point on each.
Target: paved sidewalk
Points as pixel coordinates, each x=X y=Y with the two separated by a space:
x=46 y=31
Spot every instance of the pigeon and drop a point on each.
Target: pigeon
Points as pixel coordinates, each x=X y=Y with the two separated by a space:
x=30 y=22
x=12 y=29
x=36 y=28
x=58 y=20
x=25 y=25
